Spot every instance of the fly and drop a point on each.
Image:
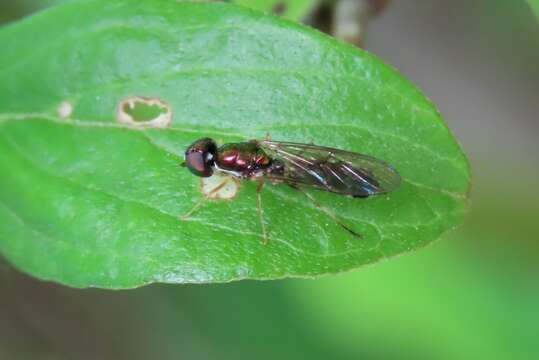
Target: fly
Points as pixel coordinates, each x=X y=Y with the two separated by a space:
x=297 y=165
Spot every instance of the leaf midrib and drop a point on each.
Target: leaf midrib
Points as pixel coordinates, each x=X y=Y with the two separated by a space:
x=377 y=247
x=101 y=124
x=150 y=206
x=205 y=223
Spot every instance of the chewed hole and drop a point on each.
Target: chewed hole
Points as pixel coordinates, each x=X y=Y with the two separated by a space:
x=144 y=112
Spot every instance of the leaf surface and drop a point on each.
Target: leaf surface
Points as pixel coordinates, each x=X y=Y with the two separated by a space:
x=87 y=200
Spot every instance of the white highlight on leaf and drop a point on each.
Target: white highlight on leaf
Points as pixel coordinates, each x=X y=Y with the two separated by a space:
x=65 y=109
x=163 y=120
x=219 y=186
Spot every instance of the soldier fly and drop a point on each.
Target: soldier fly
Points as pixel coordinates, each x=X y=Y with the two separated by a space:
x=297 y=165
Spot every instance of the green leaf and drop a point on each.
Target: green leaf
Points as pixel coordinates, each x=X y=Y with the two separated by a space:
x=291 y=9
x=87 y=200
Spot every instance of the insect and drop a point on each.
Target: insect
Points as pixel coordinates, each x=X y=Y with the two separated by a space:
x=297 y=165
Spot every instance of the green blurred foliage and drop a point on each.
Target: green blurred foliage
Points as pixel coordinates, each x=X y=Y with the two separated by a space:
x=437 y=304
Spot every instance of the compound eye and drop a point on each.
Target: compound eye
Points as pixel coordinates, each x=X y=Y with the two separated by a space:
x=198 y=165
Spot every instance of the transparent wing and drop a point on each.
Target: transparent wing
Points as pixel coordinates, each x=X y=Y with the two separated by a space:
x=330 y=169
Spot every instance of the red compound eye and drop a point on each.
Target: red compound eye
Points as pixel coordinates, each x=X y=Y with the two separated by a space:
x=199 y=157
x=198 y=165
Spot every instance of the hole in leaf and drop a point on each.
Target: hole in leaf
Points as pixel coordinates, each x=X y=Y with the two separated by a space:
x=144 y=112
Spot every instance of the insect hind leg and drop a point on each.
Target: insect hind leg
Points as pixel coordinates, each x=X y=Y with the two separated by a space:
x=327 y=212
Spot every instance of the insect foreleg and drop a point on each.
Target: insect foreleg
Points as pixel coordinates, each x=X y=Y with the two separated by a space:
x=195 y=207
x=205 y=198
x=326 y=211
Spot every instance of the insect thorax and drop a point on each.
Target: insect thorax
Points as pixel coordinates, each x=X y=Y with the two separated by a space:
x=243 y=159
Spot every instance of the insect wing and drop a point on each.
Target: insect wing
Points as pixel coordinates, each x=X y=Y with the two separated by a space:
x=331 y=169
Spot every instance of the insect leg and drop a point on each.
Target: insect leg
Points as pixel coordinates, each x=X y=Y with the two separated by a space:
x=261 y=211
x=198 y=205
x=326 y=211
x=204 y=198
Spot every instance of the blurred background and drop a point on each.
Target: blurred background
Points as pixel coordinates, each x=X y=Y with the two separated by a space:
x=473 y=294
